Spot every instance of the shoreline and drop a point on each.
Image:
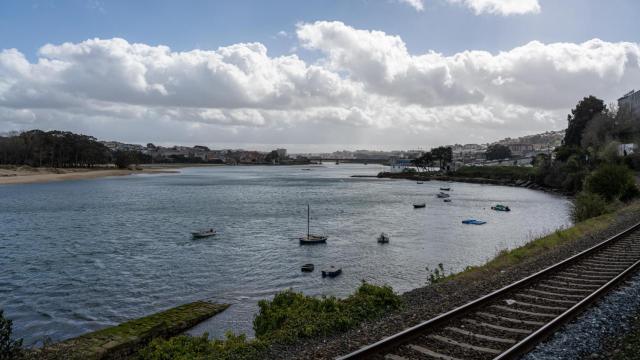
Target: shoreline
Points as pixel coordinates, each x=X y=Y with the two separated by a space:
x=73 y=174
x=527 y=184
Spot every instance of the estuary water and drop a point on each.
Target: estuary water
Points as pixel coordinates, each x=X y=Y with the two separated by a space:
x=77 y=256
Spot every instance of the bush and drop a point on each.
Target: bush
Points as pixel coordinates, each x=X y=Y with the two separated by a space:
x=292 y=315
x=201 y=348
x=9 y=349
x=287 y=317
x=611 y=181
x=587 y=205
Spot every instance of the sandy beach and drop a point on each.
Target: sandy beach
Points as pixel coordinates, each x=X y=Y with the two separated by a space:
x=28 y=175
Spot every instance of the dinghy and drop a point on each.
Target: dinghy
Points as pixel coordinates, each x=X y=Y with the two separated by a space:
x=331 y=272
x=203 y=233
x=473 y=222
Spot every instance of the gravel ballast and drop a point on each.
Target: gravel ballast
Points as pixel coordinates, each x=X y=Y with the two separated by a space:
x=427 y=302
x=585 y=337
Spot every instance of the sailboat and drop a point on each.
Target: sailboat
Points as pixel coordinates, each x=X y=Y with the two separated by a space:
x=311 y=239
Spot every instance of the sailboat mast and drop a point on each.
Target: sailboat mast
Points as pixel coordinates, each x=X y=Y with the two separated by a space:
x=308 y=219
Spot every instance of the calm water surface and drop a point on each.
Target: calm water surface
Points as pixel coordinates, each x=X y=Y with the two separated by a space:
x=77 y=256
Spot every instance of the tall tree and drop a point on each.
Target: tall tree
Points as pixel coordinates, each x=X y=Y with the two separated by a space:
x=579 y=118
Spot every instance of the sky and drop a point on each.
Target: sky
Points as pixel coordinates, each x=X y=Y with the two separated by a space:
x=313 y=75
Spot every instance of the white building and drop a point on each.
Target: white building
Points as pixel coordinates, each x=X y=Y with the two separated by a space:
x=632 y=100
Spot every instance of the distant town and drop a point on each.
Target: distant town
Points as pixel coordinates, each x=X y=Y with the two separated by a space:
x=522 y=150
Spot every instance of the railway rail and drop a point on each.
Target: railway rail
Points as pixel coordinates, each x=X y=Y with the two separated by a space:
x=509 y=322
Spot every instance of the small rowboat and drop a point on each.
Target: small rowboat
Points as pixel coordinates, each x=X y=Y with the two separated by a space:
x=447 y=200
x=419 y=206
x=473 y=222
x=307 y=268
x=443 y=196
x=500 y=207
x=203 y=233
x=331 y=272
x=445 y=189
x=383 y=238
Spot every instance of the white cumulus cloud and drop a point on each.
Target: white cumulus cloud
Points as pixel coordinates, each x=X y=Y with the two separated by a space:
x=416 y=4
x=501 y=7
x=364 y=88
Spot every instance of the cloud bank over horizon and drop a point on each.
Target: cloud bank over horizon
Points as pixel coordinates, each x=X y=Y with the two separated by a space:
x=365 y=88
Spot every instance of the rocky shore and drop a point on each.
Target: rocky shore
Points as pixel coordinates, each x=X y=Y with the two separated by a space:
x=523 y=183
x=424 y=303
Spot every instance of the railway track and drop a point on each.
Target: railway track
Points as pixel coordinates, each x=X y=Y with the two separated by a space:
x=509 y=322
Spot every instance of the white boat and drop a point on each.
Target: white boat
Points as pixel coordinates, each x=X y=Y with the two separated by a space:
x=203 y=233
x=311 y=239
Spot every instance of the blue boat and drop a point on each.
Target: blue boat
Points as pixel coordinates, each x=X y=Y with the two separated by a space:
x=473 y=222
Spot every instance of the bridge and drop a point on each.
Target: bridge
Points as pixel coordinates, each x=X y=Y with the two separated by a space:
x=381 y=161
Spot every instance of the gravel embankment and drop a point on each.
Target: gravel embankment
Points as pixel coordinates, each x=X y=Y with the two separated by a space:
x=585 y=337
x=427 y=302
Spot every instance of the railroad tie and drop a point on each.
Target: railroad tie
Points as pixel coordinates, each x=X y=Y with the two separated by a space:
x=546 y=307
x=539 y=298
x=431 y=353
x=524 y=312
x=574 y=284
x=480 y=336
x=511 y=320
x=564 y=288
x=498 y=327
x=394 y=357
x=549 y=293
x=464 y=345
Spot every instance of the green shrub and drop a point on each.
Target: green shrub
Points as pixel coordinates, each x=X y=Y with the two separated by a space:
x=610 y=181
x=9 y=349
x=436 y=275
x=292 y=315
x=287 y=317
x=201 y=348
x=587 y=205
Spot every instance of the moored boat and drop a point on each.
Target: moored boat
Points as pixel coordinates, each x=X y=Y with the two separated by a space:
x=447 y=200
x=419 y=206
x=443 y=195
x=473 y=222
x=331 y=272
x=307 y=268
x=445 y=188
x=500 y=207
x=383 y=238
x=203 y=233
x=419 y=182
x=311 y=239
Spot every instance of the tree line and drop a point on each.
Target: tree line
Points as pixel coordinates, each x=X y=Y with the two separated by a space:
x=62 y=149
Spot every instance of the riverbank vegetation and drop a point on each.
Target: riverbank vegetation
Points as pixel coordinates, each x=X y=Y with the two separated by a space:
x=62 y=149
x=289 y=316
x=9 y=347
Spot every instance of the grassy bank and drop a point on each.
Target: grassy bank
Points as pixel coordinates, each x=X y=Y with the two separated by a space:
x=121 y=341
x=506 y=258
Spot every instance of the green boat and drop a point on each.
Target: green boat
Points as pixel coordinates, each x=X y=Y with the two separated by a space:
x=500 y=207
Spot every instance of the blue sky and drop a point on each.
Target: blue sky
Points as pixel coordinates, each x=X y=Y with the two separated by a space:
x=436 y=94
x=184 y=25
